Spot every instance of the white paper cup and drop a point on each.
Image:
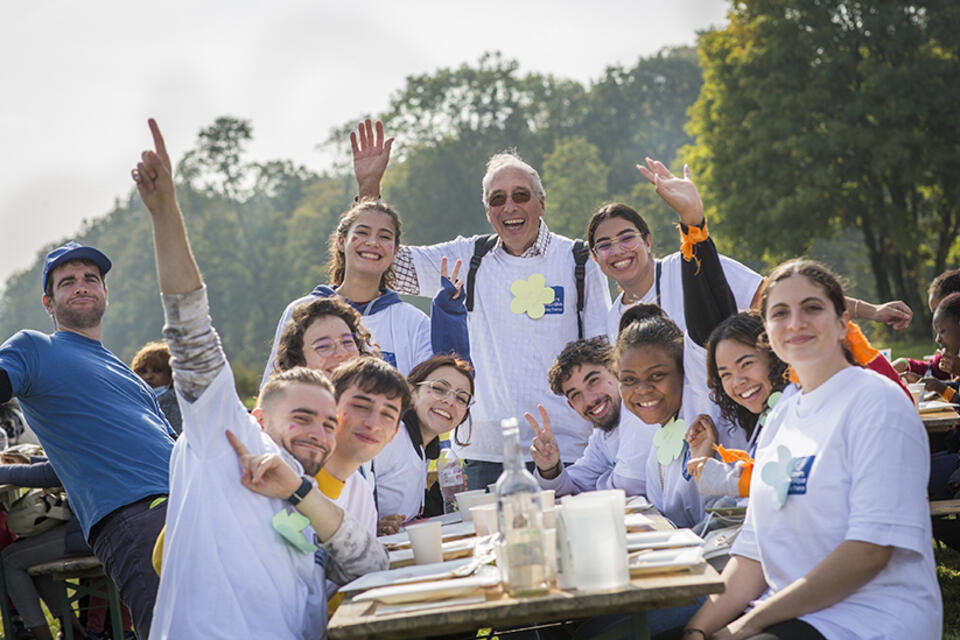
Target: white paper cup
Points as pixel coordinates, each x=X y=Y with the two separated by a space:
x=466 y=499
x=485 y=519
x=547 y=499
x=550 y=518
x=426 y=541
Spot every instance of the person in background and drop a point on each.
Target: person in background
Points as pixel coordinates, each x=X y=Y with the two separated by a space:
x=152 y=363
x=442 y=394
x=944 y=365
x=848 y=458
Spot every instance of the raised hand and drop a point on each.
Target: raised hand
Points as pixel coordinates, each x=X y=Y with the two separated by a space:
x=266 y=473
x=154 y=175
x=896 y=313
x=702 y=436
x=388 y=525
x=453 y=276
x=544 y=449
x=680 y=193
x=371 y=155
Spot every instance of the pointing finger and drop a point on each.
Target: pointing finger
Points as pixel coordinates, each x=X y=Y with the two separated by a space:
x=238 y=446
x=158 y=143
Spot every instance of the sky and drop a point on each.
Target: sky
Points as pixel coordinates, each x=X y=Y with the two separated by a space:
x=79 y=80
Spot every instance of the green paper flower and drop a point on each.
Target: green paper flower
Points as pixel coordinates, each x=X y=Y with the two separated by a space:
x=669 y=440
x=290 y=526
x=531 y=296
x=777 y=474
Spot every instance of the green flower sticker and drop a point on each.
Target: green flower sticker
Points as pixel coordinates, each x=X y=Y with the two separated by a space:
x=531 y=296
x=777 y=474
x=290 y=526
x=669 y=440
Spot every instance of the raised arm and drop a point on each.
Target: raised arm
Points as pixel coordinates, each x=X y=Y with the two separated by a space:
x=197 y=355
x=371 y=155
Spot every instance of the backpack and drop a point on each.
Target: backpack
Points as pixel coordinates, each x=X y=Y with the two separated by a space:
x=37 y=511
x=581 y=252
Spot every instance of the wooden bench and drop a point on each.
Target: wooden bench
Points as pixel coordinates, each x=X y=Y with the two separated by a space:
x=83 y=567
x=944 y=507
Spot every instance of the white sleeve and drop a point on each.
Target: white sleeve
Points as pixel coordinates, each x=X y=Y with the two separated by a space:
x=882 y=434
x=654 y=492
x=422 y=343
x=596 y=301
x=562 y=485
x=743 y=281
x=746 y=543
x=426 y=261
x=584 y=473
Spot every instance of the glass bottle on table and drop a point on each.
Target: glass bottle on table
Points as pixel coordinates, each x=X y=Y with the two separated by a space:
x=523 y=568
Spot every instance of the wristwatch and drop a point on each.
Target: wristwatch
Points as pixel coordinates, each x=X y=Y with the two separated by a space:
x=301 y=492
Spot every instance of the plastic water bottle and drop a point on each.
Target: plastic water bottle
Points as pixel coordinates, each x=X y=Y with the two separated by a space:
x=450 y=476
x=524 y=570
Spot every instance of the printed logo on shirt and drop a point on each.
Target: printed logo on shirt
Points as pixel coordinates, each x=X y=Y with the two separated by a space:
x=557 y=305
x=799 y=475
x=683 y=463
x=389 y=357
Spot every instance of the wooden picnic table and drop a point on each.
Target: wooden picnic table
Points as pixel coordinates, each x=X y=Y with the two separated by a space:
x=940 y=421
x=358 y=620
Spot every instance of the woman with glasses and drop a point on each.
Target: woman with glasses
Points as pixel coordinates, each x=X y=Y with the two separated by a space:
x=321 y=334
x=621 y=243
x=442 y=395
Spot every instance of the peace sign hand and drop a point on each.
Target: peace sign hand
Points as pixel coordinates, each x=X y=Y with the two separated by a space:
x=266 y=473
x=544 y=449
x=452 y=278
x=371 y=155
x=154 y=176
x=680 y=193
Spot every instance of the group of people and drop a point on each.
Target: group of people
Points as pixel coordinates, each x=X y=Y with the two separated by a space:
x=241 y=524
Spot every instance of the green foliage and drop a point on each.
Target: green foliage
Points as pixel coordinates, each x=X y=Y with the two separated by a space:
x=576 y=180
x=820 y=117
x=260 y=230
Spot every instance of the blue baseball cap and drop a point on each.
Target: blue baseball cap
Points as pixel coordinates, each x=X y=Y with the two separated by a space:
x=74 y=251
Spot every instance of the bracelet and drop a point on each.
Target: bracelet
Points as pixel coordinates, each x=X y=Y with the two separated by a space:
x=554 y=470
x=856 y=308
x=703 y=633
x=301 y=492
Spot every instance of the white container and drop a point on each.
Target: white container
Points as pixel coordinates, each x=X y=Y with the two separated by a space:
x=582 y=521
x=426 y=540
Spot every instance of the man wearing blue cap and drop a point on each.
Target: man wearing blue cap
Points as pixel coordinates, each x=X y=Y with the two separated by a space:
x=98 y=422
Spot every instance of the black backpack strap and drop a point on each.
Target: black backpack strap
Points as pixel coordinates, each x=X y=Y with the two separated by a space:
x=580 y=254
x=481 y=247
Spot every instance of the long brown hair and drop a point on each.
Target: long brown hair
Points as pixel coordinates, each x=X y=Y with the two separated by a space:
x=337 y=266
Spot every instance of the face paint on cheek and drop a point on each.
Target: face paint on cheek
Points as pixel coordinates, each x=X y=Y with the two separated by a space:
x=291 y=427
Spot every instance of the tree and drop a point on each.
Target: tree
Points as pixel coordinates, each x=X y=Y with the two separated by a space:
x=215 y=165
x=576 y=180
x=818 y=116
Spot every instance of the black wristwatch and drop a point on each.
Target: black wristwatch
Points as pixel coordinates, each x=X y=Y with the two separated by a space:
x=301 y=492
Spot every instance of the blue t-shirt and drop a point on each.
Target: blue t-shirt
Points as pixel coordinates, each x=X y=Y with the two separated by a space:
x=98 y=422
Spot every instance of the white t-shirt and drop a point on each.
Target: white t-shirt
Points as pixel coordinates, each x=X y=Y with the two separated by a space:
x=630 y=464
x=356 y=498
x=859 y=471
x=513 y=352
x=226 y=571
x=401 y=477
x=400 y=330
x=743 y=282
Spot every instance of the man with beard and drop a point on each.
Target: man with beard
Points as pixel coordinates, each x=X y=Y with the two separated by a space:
x=245 y=554
x=98 y=422
x=584 y=374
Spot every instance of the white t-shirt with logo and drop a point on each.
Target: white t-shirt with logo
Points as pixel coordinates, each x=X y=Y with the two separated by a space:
x=226 y=572
x=743 y=282
x=859 y=466
x=512 y=352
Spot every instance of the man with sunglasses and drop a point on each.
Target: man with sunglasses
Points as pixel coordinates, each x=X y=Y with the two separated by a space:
x=524 y=312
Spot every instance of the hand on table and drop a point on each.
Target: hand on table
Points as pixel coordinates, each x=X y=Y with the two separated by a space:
x=388 y=525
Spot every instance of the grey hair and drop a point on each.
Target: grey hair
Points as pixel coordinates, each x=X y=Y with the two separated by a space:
x=510 y=158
